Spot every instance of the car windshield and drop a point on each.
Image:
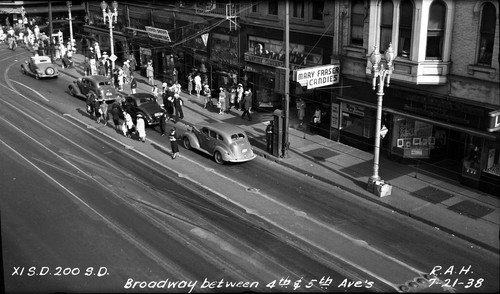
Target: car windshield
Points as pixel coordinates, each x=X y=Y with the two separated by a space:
x=105 y=83
x=237 y=136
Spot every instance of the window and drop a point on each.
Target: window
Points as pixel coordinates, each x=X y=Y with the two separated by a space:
x=254 y=7
x=298 y=8
x=386 y=25
x=273 y=7
x=317 y=7
x=435 y=31
x=487 y=34
x=405 y=25
x=357 y=22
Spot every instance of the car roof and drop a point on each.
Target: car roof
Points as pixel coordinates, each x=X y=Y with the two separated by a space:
x=97 y=78
x=222 y=127
x=139 y=96
x=42 y=59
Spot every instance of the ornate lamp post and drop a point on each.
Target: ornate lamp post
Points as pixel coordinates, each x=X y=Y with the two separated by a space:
x=112 y=16
x=69 y=4
x=380 y=73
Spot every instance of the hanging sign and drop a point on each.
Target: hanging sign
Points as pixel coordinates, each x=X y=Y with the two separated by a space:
x=319 y=76
x=204 y=37
x=494 y=123
x=158 y=34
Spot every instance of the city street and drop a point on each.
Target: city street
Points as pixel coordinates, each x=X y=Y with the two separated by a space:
x=85 y=209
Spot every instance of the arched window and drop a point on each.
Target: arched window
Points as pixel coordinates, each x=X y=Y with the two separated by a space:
x=435 y=31
x=386 y=24
x=486 y=34
x=405 y=26
x=357 y=22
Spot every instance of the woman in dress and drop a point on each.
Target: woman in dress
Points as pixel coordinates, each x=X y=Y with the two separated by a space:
x=173 y=143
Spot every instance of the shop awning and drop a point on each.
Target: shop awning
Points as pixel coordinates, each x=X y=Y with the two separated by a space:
x=486 y=135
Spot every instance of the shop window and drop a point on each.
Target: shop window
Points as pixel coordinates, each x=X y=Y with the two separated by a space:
x=435 y=31
x=357 y=22
x=414 y=139
x=386 y=24
x=358 y=120
x=487 y=34
x=273 y=7
x=405 y=26
x=317 y=9
x=298 y=9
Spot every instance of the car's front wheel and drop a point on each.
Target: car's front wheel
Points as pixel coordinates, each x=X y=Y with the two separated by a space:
x=218 y=157
x=186 y=142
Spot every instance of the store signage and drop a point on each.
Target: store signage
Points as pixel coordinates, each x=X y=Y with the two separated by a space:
x=353 y=108
x=318 y=76
x=158 y=34
x=335 y=116
x=494 y=124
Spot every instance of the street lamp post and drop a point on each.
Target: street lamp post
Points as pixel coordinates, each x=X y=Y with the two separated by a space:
x=112 y=16
x=380 y=73
x=68 y=4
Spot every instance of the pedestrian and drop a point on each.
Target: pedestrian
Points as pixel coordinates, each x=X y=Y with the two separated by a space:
x=175 y=74
x=177 y=87
x=173 y=143
x=86 y=67
x=239 y=96
x=164 y=86
x=178 y=102
x=133 y=62
x=121 y=79
x=103 y=110
x=163 y=122
x=222 y=101
x=97 y=110
x=116 y=111
x=154 y=91
x=232 y=99
x=90 y=104
x=190 y=83
x=169 y=105
x=269 y=136
x=129 y=124
x=301 y=110
x=150 y=73
x=126 y=71
x=141 y=127
x=133 y=84
x=197 y=84
x=316 y=120
x=208 y=95
x=247 y=104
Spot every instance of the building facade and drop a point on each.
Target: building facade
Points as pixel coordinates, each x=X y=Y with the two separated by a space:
x=442 y=108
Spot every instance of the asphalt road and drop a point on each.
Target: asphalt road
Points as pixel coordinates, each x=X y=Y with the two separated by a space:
x=79 y=198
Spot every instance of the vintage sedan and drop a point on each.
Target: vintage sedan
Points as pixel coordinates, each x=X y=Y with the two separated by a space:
x=145 y=104
x=101 y=86
x=225 y=142
x=40 y=67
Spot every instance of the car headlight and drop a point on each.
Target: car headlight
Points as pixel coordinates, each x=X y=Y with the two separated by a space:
x=49 y=71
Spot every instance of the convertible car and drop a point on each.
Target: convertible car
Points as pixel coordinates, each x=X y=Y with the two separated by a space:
x=101 y=86
x=40 y=67
x=225 y=142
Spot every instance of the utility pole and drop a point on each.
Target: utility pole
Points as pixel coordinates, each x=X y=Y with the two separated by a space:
x=51 y=43
x=286 y=102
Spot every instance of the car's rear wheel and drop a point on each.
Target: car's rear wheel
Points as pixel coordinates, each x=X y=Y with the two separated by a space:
x=218 y=157
x=186 y=142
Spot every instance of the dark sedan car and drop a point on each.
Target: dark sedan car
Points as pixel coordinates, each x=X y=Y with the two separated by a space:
x=101 y=86
x=145 y=104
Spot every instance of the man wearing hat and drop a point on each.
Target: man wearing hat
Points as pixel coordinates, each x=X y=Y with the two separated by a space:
x=239 y=97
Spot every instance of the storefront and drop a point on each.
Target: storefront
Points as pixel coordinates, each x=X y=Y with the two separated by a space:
x=225 y=58
x=444 y=137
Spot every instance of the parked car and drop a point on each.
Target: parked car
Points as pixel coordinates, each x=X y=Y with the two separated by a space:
x=145 y=104
x=40 y=67
x=101 y=86
x=225 y=142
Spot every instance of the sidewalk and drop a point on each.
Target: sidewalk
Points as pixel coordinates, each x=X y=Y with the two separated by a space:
x=439 y=202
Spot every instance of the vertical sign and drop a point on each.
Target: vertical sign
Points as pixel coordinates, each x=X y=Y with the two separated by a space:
x=335 y=115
